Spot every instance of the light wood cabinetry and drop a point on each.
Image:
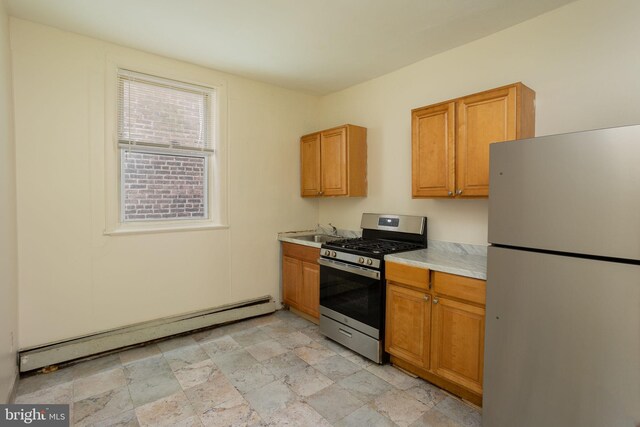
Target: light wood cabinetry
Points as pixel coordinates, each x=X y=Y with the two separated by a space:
x=450 y=140
x=435 y=327
x=301 y=278
x=460 y=287
x=333 y=162
x=291 y=280
x=433 y=151
x=310 y=289
x=408 y=325
x=310 y=161
x=458 y=342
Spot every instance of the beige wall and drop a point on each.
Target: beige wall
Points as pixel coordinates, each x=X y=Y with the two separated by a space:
x=74 y=279
x=8 y=248
x=582 y=60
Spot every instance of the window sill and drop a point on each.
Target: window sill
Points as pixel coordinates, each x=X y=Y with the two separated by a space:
x=163 y=228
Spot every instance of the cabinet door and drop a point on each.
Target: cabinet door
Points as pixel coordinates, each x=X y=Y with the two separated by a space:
x=310 y=165
x=333 y=159
x=408 y=323
x=310 y=289
x=432 y=151
x=482 y=119
x=458 y=342
x=291 y=280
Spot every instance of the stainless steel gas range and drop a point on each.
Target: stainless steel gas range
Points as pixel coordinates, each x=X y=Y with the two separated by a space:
x=352 y=285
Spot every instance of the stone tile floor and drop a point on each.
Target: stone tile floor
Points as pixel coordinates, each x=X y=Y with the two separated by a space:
x=268 y=371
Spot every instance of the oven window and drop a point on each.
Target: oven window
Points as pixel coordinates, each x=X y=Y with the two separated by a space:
x=352 y=295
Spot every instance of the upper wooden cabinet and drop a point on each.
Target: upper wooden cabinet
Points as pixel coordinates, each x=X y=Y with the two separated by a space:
x=310 y=161
x=450 y=140
x=334 y=162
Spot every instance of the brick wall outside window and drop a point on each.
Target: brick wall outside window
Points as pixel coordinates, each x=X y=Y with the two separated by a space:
x=163 y=187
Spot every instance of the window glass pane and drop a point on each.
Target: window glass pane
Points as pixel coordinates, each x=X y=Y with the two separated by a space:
x=162 y=186
x=163 y=115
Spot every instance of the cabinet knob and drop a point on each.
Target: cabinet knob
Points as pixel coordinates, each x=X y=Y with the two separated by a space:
x=426 y=297
x=435 y=300
x=450 y=193
x=321 y=192
x=459 y=192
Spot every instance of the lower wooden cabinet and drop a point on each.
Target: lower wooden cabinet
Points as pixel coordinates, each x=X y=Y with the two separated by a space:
x=310 y=289
x=291 y=280
x=458 y=342
x=301 y=278
x=408 y=325
x=435 y=327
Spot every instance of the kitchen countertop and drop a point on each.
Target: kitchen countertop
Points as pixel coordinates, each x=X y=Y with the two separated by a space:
x=290 y=236
x=447 y=257
x=454 y=258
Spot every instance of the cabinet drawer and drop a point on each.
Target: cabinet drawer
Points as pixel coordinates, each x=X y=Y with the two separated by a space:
x=301 y=252
x=407 y=275
x=464 y=288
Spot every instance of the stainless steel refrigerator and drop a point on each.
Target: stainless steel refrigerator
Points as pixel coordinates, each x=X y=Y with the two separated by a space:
x=562 y=341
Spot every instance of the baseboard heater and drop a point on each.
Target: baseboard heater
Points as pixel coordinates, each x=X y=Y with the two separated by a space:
x=82 y=347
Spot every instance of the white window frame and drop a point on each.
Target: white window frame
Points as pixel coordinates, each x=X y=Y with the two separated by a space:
x=216 y=162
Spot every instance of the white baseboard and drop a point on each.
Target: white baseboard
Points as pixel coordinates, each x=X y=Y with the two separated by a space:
x=80 y=347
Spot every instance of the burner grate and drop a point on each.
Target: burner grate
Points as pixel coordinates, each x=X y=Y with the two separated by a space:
x=374 y=246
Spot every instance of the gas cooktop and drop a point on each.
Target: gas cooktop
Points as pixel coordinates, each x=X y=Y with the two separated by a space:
x=372 y=246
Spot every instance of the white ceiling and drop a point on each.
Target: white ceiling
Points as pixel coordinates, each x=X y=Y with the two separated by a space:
x=318 y=46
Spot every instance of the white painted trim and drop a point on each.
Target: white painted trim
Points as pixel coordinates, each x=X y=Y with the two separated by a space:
x=140 y=228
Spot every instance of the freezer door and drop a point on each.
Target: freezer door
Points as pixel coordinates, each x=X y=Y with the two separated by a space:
x=576 y=193
x=562 y=341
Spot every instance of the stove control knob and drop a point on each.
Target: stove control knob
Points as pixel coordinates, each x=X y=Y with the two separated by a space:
x=327 y=252
x=361 y=260
x=369 y=261
x=333 y=254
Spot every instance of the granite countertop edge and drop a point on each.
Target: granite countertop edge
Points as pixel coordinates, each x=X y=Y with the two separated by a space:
x=474 y=266
x=291 y=238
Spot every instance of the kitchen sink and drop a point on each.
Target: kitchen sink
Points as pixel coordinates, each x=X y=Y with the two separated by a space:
x=318 y=238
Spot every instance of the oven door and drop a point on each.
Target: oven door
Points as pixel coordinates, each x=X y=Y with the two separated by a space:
x=352 y=292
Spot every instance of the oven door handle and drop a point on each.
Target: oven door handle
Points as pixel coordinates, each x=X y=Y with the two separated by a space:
x=373 y=274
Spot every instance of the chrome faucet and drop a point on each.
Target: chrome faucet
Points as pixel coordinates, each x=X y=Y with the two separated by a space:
x=322 y=229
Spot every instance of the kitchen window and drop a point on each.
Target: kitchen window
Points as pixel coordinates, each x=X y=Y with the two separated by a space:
x=166 y=139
